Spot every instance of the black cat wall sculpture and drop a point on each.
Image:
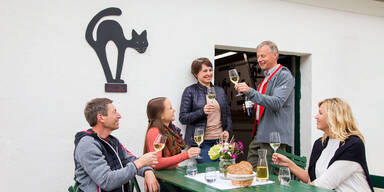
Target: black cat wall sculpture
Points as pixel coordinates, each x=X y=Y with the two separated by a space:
x=110 y=30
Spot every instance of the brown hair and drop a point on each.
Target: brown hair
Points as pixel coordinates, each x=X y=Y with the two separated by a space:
x=94 y=107
x=340 y=120
x=155 y=108
x=197 y=63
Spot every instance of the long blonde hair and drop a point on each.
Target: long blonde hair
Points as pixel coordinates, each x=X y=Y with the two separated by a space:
x=340 y=120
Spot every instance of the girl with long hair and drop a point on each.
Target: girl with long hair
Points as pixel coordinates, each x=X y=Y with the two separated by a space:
x=160 y=116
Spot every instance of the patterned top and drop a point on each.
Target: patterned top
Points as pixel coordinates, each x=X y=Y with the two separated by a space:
x=171 y=155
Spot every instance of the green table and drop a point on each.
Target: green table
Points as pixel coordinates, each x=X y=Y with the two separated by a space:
x=177 y=177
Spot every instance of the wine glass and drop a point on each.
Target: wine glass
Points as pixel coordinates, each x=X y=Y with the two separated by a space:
x=211 y=94
x=199 y=138
x=284 y=175
x=274 y=140
x=234 y=77
x=159 y=142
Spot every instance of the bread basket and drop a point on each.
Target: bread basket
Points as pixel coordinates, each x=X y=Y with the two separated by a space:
x=242 y=180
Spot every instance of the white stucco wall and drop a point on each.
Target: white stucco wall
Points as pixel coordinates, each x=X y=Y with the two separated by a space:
x=48 y=71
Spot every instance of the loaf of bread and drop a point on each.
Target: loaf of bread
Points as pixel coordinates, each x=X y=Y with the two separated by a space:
x=242 y=168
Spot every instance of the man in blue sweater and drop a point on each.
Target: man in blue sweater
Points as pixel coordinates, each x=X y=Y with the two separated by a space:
x=101 y=162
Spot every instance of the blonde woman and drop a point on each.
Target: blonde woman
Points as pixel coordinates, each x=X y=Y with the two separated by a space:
x=338 y=158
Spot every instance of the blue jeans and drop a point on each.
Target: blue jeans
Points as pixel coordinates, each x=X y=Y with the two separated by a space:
x=205 y=146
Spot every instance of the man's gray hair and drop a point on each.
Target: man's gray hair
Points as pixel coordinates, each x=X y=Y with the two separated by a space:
x=272 y=46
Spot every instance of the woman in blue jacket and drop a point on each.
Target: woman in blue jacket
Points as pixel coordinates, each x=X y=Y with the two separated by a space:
x=214 y=116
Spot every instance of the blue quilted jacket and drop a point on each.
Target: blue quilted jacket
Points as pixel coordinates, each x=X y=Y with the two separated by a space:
x=192 y=113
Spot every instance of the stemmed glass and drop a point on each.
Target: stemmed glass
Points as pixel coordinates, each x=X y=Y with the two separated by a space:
x=234 y=77
x=284 y=175
x=159 y=142
x=274 y=140
x=211 y=94
x=199 y=138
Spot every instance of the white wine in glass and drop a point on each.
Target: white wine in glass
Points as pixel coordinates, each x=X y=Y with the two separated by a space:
x=234 y=77
x=211 y=94
x=199 y=138
x=274 y=140
x=159 y=142
x=262 y=173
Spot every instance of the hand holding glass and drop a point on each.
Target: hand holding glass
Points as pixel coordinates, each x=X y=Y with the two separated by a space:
x=199 y=137
x=159 y=142
x=274 y=140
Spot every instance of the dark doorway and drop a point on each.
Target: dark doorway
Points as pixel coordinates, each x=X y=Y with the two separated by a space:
x=245 y=63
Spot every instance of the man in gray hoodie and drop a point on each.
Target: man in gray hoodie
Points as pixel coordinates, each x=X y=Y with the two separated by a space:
x=101 y=162
x=274 y=102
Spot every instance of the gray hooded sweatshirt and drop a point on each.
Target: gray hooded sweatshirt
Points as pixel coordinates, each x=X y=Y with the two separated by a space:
x=93 y=172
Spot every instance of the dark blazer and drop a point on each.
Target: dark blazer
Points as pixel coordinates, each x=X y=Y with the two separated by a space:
x=352 y=150
x=192 y=109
